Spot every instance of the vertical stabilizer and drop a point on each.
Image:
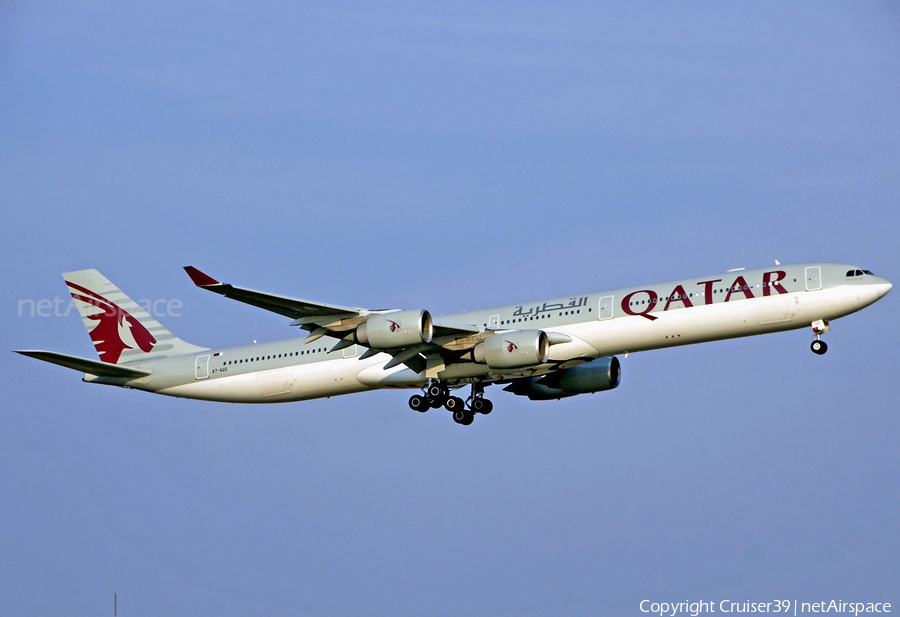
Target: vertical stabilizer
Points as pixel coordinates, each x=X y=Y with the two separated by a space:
x=121 y=330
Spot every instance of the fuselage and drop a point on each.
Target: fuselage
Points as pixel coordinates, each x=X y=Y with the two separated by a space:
x=696 y=310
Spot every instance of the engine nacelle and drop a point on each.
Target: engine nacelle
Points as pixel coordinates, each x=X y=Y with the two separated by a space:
x=594 y=376
x=395 y=330
x=516 y=349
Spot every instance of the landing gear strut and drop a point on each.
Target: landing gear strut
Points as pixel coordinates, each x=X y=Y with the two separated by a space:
x=436 y=391
x=437 y=394
x=477 y=402
x=819 y=327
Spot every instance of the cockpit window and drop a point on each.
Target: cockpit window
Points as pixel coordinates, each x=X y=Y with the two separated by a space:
x=868 y=272
x=857 y=272
x=851 y=273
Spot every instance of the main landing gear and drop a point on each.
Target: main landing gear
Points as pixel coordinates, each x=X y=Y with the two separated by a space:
x=819 y=327
x=437 y=394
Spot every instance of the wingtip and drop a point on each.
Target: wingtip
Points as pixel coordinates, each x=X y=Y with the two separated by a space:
x=200 y=279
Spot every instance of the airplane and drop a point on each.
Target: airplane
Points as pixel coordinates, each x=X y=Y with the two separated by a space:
x=542 y=350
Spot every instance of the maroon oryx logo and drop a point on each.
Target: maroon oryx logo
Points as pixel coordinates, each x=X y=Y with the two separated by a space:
x=112 y=322
x=393 y=325
x=510 y=346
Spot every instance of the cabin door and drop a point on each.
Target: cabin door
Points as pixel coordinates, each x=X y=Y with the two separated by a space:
x=813 y=278
x=605 y=310
x=201 y=368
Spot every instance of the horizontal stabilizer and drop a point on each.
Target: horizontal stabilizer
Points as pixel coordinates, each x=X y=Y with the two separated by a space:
x=100 y=369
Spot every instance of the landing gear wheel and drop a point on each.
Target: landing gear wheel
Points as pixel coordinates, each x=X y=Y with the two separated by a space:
x=482 y=406
x=435 y=391
x=463 y=417
x=818 y=347
x=418 y=403
x=453 y=403
x=819 y=327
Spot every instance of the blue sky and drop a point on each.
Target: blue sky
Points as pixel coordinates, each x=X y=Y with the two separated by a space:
x=450 y=157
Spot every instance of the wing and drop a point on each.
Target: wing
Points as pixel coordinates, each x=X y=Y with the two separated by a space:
x=341 y=322
x=298 y=310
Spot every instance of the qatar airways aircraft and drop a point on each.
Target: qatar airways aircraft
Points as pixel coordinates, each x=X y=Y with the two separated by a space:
x=543 y=350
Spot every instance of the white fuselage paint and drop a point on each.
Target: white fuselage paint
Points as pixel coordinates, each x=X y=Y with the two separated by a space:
x=591 y=338
x=304 y=381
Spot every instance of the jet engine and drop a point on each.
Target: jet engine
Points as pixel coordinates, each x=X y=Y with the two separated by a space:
x=395 y=330
x=594 y=376
x=516 y=349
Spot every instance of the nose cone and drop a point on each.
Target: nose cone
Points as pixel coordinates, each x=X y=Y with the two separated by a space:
x=882 y=286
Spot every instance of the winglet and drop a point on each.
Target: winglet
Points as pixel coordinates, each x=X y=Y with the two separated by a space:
x=200 y=279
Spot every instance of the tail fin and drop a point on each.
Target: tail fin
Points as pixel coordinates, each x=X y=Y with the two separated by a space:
x=121 y=330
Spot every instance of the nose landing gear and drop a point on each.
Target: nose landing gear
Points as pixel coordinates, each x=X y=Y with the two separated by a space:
x=820 y=327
